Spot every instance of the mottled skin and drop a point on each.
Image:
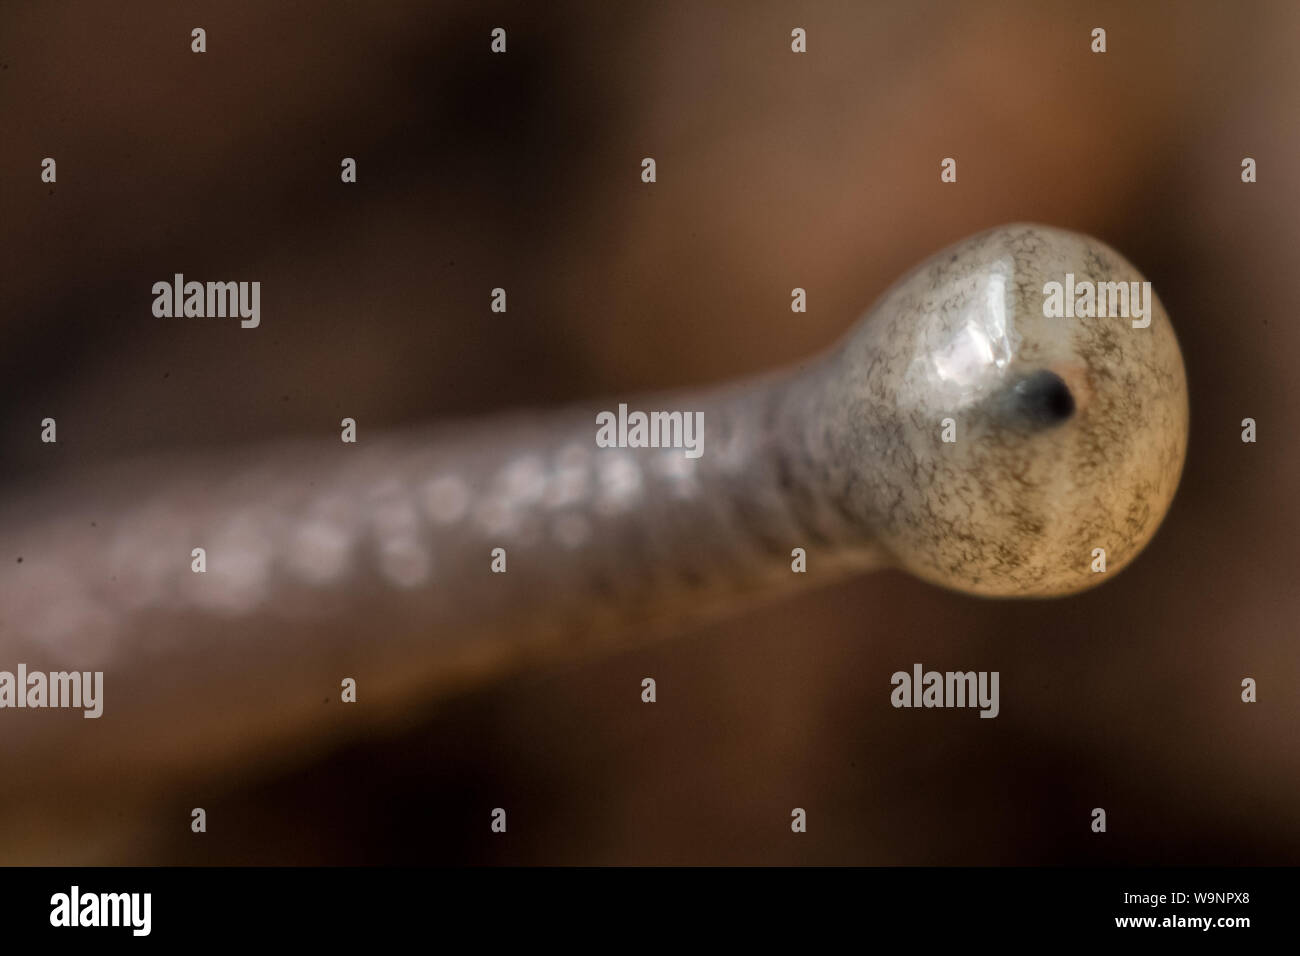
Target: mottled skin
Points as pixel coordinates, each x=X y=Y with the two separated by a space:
x=1071 y=432
x=373 y=561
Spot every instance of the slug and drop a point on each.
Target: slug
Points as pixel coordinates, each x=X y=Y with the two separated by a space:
x=957 y=432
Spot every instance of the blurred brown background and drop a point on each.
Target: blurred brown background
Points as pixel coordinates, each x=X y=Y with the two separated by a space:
x=775 y=170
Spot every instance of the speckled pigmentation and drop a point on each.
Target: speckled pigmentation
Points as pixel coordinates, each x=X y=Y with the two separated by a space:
x=1070 y=432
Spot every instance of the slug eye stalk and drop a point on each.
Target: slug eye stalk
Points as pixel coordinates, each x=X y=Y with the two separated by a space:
x=969 y=429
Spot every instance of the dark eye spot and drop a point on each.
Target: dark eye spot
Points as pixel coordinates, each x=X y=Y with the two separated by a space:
x=1044 y=399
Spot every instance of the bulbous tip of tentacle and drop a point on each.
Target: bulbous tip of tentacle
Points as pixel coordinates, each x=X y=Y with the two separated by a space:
x=1016 y=414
